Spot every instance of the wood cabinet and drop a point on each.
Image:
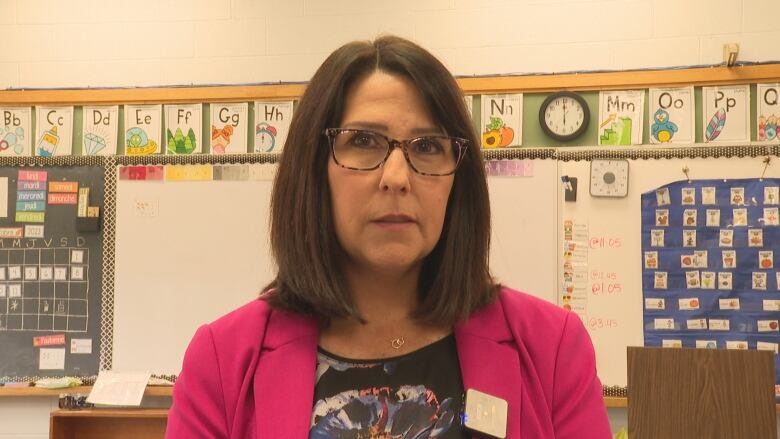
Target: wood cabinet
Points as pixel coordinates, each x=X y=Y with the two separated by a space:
x=108 y=424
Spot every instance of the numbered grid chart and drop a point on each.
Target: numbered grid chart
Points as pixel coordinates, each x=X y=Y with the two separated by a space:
x=44 y=289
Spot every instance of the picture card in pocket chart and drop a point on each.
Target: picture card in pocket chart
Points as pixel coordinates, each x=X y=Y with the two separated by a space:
x=143 y=129
x=621 y=117
x=15 y=131
x=672 y=114
x=726 y=114
x=100 y=125
x=502 y=120
x=54 y=133
x=272 y=123
x=768 y=112
x=183 y=128
x=229 y=127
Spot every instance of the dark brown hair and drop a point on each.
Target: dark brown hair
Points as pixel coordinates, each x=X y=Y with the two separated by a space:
x=455 y=279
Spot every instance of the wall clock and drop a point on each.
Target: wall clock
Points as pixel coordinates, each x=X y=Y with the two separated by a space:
x=608 y=178
x=564 y=115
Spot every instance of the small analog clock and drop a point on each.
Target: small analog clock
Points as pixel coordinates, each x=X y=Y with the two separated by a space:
x=608 y=178
x=564 y=115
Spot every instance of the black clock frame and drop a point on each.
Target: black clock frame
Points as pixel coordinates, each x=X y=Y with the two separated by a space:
x=580 y=130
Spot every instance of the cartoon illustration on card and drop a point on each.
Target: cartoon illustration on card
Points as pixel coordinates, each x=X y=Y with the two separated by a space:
x=772 y=195
x=700 y=258
x=657 y=304
x=708 y=195
x=759 y=280
x=724 y=280
x=708 y=280
x=719 y=324
x=771 y=216
x=730 y=304
x=688 y=304
x=737 y=345
x=687 y=261
x=688 y=195
x=696 y=324
x=765 y=259
x=692 y=279
x=662 y=217
x=663 y=323
x=771 y=305
x=740 y=217
x=737 y=196
x=729 y=258
x=659 y=282
x=689 y=217
x=706 y=344
x=726 y=238
x=651 y=260
x=755 y=238
x=689 y=238
x=662 y=196
x=657 y=238
x=767 y=325
x=676 y=344
x=766 y=346
x=713 y=218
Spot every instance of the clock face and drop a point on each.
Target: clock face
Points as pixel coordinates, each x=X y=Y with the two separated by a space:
x=564 y=116
x=609 y=178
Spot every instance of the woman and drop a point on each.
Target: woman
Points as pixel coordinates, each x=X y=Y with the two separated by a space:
x=383 y=311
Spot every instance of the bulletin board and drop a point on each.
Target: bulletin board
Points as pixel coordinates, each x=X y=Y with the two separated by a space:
x=51 y=270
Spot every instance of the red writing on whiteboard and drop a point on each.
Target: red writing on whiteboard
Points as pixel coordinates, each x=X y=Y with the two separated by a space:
x=602 y=242
x=596 y=323
x=601 y=275
x=605 y=288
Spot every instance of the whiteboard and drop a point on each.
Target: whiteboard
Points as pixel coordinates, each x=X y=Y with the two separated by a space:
x=620 y=219
x=189 y=252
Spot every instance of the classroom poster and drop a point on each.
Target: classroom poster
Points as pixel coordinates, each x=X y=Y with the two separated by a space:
x=228 y=127
x=100 y=130
x=272 y=123
x=768 y=112
x=708 y=274
x=54 y=131
x=183 y=128
x=672 y=114
x=621 y=117
x=15 y=131
x=502 y=120
x=726 y=114
x=143 y=129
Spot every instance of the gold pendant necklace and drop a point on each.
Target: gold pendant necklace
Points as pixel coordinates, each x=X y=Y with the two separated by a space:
x=396 y=343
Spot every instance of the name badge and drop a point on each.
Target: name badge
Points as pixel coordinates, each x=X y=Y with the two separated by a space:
x=485 y=414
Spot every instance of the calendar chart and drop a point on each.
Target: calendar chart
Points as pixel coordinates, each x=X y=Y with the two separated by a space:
x=51 y=252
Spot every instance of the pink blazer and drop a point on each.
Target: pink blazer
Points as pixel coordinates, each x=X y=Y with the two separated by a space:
x=251 y=373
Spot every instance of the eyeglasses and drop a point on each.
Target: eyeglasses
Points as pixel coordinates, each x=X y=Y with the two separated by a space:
x=364 y=150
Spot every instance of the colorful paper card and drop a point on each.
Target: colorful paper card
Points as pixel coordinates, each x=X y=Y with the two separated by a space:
x=15 y=131
x=502 y=120
x=100 y=125
x=672 y=115
x=726 y=114
x=183 y=127
x=768 y=112
x=54 y=131
x=272 y=123
x=143 y=129
x=189 y=172
x=228 y=128
x=621 y=117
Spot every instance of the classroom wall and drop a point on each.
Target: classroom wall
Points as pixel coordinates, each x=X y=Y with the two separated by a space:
x=98 y=43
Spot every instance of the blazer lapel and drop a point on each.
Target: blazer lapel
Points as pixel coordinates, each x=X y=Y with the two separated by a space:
x=284 y=381
x=489 y=362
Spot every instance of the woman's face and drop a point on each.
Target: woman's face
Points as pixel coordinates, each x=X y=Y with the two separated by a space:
x=390 y=218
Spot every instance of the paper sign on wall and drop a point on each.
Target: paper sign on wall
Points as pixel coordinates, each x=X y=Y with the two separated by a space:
x=183 y=127
x=672 y=117
x=768 y=112
x=726 y=114
x=15 y=131
x=143 y=129
x=272 y=123
x=100 y=126
x=621 y=117
x=54 y=133
x=470 y=104
x=502 y=120
x=228 y=128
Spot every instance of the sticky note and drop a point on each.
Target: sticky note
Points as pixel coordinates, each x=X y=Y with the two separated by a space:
x=81 y=346
x=64 y=186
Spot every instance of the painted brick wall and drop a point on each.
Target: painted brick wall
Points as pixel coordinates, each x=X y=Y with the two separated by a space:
x=79 y=43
